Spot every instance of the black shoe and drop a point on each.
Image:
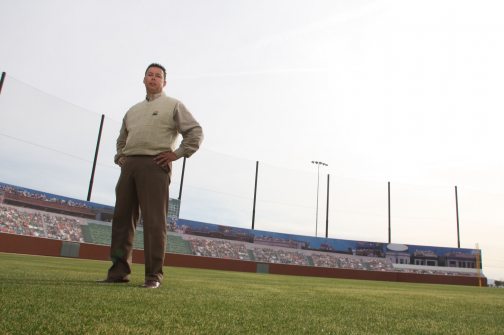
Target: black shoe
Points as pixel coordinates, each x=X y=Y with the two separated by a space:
x=151 y=284
x=113 y=280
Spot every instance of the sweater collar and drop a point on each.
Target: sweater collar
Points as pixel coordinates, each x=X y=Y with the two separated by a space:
x=154 y=97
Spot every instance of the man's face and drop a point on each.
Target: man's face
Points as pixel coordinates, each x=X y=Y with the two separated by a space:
x=154 y=80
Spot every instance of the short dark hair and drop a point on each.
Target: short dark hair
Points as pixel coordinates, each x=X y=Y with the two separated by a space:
x=159 y=66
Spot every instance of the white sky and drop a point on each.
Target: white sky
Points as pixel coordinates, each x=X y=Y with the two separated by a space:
x=401 y=91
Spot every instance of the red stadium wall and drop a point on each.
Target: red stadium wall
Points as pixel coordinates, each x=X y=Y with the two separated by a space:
x=46 y=247
x=29 y=245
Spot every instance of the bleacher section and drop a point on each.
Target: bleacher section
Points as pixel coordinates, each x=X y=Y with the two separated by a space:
x=138 y=241
x=280 y=256
x=99 y=233
x=20 y=222
x=24 y=221
x=251 y=255
x=331 y=260
x=219 y=248
x=176 y=244
x=86 y=233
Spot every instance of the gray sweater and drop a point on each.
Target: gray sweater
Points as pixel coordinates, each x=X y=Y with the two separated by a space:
x=152 y=126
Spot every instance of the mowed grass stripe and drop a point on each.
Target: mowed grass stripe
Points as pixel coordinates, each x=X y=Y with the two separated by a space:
x=45 y=295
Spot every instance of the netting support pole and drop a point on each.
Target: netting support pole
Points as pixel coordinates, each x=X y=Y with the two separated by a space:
x=2 y=81
x=457 y=210
x=181 y=180
x=255 y=195
x=389 y=220
x=91 y=181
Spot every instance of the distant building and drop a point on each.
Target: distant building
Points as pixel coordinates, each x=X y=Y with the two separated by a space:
x=424 y=257
x=460 y=260
x=397 y=257
x=370 y=249
x=398 y=253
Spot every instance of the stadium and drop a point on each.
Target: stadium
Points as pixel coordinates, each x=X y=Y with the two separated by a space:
x=349 y=182
x=276 y=297
x=81 y=229
x=54 y=247
x=73 y=229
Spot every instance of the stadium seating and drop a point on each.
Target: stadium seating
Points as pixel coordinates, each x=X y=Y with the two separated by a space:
x=23 y=221
x=178 y=245
x=99 y=233
x=30 y=222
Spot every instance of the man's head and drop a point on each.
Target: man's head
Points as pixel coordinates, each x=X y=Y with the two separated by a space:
x=155 y=78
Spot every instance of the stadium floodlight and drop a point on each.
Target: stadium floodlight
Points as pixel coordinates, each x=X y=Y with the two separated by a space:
x=318 y=186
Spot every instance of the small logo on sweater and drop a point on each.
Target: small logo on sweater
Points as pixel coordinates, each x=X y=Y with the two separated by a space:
x=155 y=113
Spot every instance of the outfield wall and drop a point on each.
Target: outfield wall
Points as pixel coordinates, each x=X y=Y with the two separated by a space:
x=21 y=244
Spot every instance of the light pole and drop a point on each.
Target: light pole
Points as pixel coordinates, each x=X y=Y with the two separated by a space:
x=318 y=185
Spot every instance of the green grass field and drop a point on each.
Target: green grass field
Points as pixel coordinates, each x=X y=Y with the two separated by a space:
x=45 y=295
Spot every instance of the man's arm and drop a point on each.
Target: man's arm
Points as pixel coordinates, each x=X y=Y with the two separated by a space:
x=120 y=143
x=192 y=133
x=192 y=136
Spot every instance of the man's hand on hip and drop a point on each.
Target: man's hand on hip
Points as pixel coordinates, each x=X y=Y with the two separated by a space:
x=121 y=161
x=164 y=158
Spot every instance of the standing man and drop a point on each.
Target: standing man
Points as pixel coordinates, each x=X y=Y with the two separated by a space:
x=145 y=152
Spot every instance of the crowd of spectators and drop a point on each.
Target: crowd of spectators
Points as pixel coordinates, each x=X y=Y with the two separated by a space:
x=27 y=222
x=236 y=250
x=14 y=221
x=280 y=256
x=63 y=228
x=41 y=196
x=332 y=260
x=218 y=248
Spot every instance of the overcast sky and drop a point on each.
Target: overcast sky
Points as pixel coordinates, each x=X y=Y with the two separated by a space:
x=403 y=91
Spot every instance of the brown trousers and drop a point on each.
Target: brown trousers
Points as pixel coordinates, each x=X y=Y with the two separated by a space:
x=142 y=188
